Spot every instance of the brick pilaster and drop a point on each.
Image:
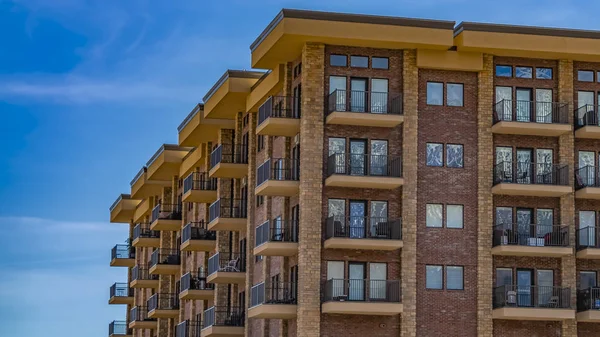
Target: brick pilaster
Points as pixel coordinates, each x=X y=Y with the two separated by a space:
x=251 y=214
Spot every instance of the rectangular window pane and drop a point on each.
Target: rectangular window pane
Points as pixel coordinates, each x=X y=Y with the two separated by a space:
x=359 y=61
x=454 y=94
x=433 y=276
x=338 y=60
x=504 y=277
x=454 y=216
x=587 y=279
x=434 y=154
x=435 y=93
x=523 y=72
x=434 y=215
x=543 y=73
x=454 y=278
x=454 y=155
x=585 y=75
x=379 y=63
x=504 y=71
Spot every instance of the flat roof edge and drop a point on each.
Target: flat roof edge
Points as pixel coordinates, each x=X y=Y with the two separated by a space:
x=526 y=30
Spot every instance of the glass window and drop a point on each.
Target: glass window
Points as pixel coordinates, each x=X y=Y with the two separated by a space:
x=454 y=216
x=379 y=63
x=433 y=276
x=454 y=278
x=587 y=279
x=504 y=71
x=523 y=72
x=338 y=60
x=434 y=215
x=434 y=154
x=585 y=76
x=359 y=61
x=454 y=94
x=504 y=277
x=543 y=73
x=435 y=93
x=454 y=155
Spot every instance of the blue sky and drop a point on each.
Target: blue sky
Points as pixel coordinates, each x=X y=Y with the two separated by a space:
x=89 y=89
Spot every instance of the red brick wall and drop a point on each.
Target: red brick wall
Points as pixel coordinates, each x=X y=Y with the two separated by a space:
x=507 y=328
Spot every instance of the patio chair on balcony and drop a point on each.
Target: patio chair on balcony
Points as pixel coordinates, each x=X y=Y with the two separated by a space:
x=511 y=298
x=553 y=302
x=232 y=266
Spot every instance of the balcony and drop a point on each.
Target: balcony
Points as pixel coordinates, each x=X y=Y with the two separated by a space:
x=227 y=268
x=166 y=217
x=223 y=322
x=122 y=256
x=531 y=179
x=120 y=293
x=164 y=262
x=163 y=306
x=194 y=286
x=531 y=240
x=588 y=305
x=143 y=236
x=276 y=238
x=138 y=319
x=549 y=119
x=189 y=328
x=588 y=243
x=119 y=329
x=198 y=187
x=165 y=163
x=586 y=122
x=362 y=297
x=123 y=208
x=364 y=233
x=228 y=215
x=196 y=238
x=364 y=171
x=365 y=108
x=141 y=278
x=278 y=177
x=142 y=211
x=279 y=116
x=587 y=183
x=229 y=161
x=143 y=187
x=275 y=301
x=532 y=303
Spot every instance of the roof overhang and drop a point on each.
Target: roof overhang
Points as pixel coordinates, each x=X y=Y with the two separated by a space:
x=123 y=208
x=228 y=96
x=142 y=187
x=196 y=158
x=284 y=37
x=269 y=85
x=196 y=129
x=165 y=163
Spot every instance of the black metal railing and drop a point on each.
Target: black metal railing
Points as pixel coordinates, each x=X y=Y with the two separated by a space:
x=142 y=230
x=228 y=208
x=587 y=237
x=138 y=273
x=165 y=256
x=364 y=101
x=588 y=299
x=139 y=313
x=195 y=281
x=534 y=235
x=226 y=262
x=278 y=169
x=276 y=231
x=199 y=181
x=224 y=316
x=278 y=293
x=531 y=112
x=532 y=297
x=197 y=231
x=364 y=227
x=587 y=177
x=189 y=328
x=122 y=252
x=364 y=165
x=229 y=154
x=586 y=115
x=166 y=212
x=362 y=290
x=121 y=290
x=118 y=328
x=163 y=301
x=531 y=173
x=279 y=107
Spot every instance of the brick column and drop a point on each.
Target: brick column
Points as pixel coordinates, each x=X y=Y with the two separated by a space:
x=410 y=75
x=485 y=160
x=251 y=214
x=566 y=154
x=311 y=191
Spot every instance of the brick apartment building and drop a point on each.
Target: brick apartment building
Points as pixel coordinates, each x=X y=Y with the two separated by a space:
x=382 y=176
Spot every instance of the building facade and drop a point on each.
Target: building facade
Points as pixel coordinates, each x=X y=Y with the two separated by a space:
x=381 y=177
